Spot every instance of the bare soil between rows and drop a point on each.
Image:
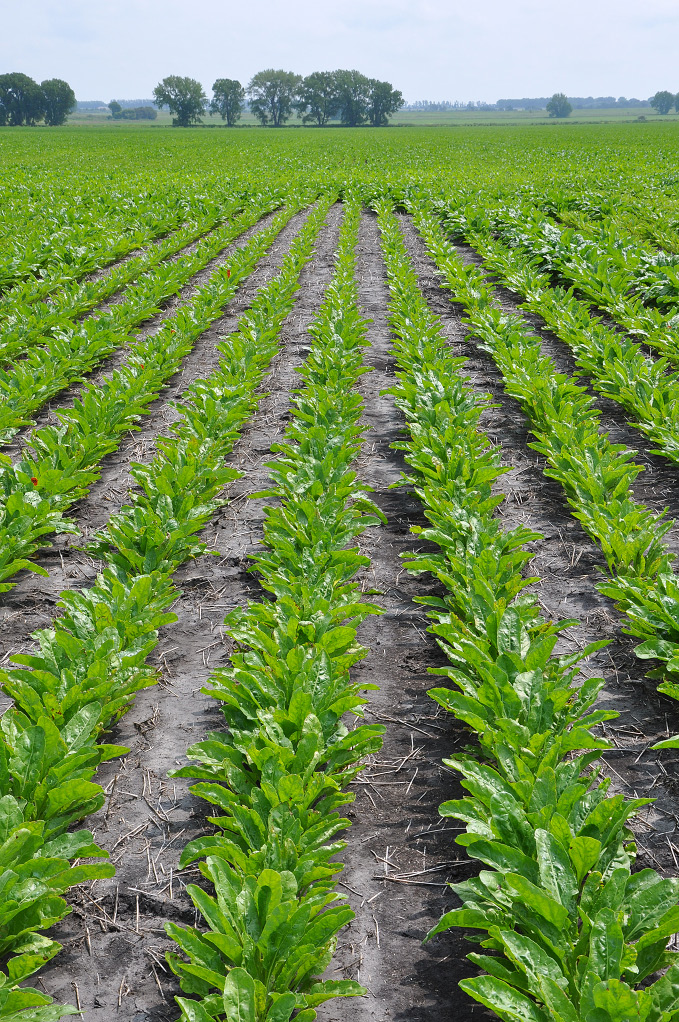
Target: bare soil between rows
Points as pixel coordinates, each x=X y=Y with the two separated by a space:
x=400 y=855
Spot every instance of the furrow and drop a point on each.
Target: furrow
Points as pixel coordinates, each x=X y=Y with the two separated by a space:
x=395 y=829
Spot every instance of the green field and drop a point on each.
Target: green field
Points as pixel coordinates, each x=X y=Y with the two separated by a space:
x=596 y=152
x=328 y=454
x=420 y=118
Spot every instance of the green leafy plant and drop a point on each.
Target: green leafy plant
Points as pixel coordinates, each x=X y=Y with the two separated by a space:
x=93 y=661
x=568 y=932
x=278 y=775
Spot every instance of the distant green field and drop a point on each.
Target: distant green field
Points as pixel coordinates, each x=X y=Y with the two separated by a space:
x=469 y=117
x=408 y=118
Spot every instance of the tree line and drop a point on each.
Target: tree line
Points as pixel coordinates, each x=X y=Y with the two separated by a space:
x=131 y=113
x=273 y=96
x=23 y=101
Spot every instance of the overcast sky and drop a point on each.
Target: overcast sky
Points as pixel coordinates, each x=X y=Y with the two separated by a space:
x=431 y=49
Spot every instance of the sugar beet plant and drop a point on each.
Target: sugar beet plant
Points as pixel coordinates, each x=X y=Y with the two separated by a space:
x=567 y=932
x=60 y=463
x=27 y=322
x=627 y=283
x=277 y=776
x=619 y=369
x=595 y=474
x=75 y=348
x=92 y=662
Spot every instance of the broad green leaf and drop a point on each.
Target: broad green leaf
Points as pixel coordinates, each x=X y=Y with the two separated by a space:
x=239 y=996
x=507 y=1003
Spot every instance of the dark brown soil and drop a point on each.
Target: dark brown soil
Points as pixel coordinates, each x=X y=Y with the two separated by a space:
x=396 y=831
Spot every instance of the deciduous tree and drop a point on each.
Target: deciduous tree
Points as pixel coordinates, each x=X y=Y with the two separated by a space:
x=559 y=106
x=662 y=101
x=21 y=100
x=184 y=97
x=384 y=100
x=318 y=100
x=353 y=95
x=59 y=100
x=272 y=95
x=227 y=100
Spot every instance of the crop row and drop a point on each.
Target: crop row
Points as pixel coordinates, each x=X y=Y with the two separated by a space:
x=26 y=323
x=59 y=241
x=598 y=274
x=649 y=214
x=595 y=474
x=278 y=776
x=60 y=463
x=93 y=660
x=76 y=348
x=645 y=387
x=568 y=933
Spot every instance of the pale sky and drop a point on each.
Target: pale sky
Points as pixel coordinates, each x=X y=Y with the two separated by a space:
x=432 y=49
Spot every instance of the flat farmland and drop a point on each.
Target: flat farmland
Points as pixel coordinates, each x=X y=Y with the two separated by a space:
x=339 y=618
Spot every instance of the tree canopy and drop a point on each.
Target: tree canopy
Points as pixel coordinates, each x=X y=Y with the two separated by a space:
x=59 y=100
x=184 y=97
x=559 y=106
x=663 y=101
x=353 y=97
x=22 y=101
x=227 y=99
x=317 y=99
x=272 y=94
x=383 y=101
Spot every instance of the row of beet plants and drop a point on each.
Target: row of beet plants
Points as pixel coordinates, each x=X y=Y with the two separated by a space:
x=644 y=303
x=90 y=664
x=567 y=932
x=595 y=474
x=278 y=776
x=647 y=213
x=60 y=463
x=645 y=387
x=48 y=239
x=75 y=348
x=28 y=322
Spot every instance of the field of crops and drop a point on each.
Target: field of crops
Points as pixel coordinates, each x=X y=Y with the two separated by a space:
x=339 y=620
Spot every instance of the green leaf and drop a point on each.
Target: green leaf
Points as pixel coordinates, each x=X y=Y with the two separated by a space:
x=584 y=853
x=282 y=1009
x=606 y=945
x=615 y=1002
x=507 y=1003
x=540 y=902
x=239 y=996
x=193 y=1011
